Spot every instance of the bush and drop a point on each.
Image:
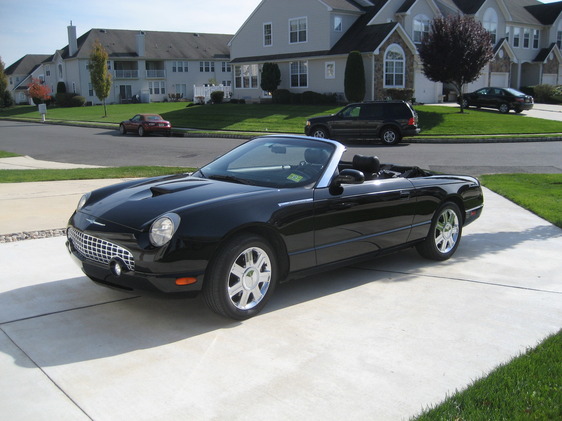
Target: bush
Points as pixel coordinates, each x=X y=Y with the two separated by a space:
x=315 y=98
x=399 y=94
x=77 y=101
x=544 y=93
x=6 y=99
x=281 y=96
x=217 y=97
x=69 y=100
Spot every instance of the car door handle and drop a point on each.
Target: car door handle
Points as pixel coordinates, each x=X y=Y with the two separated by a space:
x=405 y=194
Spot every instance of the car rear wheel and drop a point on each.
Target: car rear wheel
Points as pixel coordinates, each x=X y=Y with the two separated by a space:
x=141 y=131
x=504 y=108
x=390 y=136
x=465 y=103
x=242 y=277
x=319 y=132
x=122 y=129
x=444 y=235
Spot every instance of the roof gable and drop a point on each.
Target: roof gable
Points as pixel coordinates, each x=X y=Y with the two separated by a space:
x=27 y=64
x=545 y=13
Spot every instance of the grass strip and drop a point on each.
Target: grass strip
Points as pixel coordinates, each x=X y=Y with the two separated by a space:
x=527 y=388
x=24 y=176
x=538 y=193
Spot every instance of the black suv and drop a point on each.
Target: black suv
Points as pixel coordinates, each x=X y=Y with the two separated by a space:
x=385 y=120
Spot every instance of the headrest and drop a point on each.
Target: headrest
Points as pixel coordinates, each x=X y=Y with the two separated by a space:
x=366 y=164
x=316 y=156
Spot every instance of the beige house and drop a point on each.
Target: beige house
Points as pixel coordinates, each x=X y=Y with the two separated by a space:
x=310 y=41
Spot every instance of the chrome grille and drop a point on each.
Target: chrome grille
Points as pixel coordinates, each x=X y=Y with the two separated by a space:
x=98 y=250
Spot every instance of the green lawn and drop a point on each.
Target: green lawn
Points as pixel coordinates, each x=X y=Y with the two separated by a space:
x=434 y=120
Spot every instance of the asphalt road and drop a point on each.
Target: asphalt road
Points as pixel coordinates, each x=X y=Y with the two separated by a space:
x=106 y=147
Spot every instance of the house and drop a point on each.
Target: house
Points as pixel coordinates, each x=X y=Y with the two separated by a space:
x=20 y=74
x=145 y=65
x=310 y=41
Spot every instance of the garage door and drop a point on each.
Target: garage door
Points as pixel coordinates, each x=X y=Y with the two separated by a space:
x=501 y=80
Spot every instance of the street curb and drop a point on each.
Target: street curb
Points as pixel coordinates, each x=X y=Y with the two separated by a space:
x=226 y=135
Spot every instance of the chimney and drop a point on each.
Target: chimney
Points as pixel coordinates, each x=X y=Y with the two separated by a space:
x=72 y=40
x=140 y=44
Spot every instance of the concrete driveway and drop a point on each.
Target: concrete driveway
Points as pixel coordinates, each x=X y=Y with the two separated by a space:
x=378 y=341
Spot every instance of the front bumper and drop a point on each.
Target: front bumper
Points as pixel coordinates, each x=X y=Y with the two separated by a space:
x=123 y=267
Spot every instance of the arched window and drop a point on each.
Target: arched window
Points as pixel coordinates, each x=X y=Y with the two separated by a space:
x=394 y=67
x=491 y=23
x=421 y=28
x=60 y=71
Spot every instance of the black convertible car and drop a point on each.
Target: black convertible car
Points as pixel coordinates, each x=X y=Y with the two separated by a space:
x=274 y=208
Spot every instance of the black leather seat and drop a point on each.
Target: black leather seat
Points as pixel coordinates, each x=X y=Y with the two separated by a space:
x=368 y=165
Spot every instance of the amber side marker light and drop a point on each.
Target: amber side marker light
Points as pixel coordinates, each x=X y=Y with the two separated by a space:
x=186 y=281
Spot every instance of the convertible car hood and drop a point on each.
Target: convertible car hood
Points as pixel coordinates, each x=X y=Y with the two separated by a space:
x=139 y=204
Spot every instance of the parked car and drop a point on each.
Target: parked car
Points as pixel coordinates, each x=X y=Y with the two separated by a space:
x=503 y=99
x=144 y=124
x=274 y=208
x=388 y=121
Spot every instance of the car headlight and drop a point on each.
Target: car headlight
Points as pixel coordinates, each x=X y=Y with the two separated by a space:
x=162 y=230
x=82 y=201
x=308 y=123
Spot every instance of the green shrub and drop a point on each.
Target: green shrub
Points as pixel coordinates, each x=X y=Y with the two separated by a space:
x=544 y=93
x=217 y=97
x=6 y=99
x=281 y=96
x=399 y=94
x=63 y=99
x=77 y=101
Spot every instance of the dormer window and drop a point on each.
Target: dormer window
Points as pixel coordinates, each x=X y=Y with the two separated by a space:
x=338 y=24
x=298 y=30
x=491 y=23
x=421 y=28
x=267 y=34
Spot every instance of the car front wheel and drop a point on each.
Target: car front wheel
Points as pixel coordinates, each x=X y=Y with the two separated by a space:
x=242 y=277
x=390 y=136
x=444 y=235
x=319 y=132
x=142 y=132
x=122 y=129
x=465 y=103
x=504 y=108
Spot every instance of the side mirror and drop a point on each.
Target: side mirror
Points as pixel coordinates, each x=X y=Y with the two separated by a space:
x=347 y=176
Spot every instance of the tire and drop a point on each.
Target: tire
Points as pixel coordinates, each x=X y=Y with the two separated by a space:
x=390 y=136
x=320 y=132
x=465 y=104
x=444 y=235
x=122 y=129
x=519 y=110
x=241 y=278
x=168 y=133
x=141 y=131
x=504 y=108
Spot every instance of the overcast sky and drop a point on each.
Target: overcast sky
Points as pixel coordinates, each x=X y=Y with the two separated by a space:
x=39 y=27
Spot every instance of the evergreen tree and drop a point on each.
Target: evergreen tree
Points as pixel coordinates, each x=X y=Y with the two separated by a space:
x=270 y=77
x=101 y=79
x=5 y=97
x=354 y=79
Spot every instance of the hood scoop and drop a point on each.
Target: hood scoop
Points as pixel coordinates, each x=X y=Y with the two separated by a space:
x=176 y=187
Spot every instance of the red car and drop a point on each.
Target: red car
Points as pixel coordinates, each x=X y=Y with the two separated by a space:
x=146 y=123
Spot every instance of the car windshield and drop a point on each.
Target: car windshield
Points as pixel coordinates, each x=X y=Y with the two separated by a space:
x=153 y=117
x=272 y=162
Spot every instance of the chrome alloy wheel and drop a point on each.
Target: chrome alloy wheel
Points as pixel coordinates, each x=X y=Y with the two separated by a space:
x=447 y=231
x=249 y=278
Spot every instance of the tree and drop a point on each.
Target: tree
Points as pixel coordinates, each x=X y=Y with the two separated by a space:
x=455 y=51
x=354 y=78
x=270 y=77
x=5 y=97
x=38 y=91
x=101 y=79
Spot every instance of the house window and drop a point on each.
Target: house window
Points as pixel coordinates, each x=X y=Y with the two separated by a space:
x=330 y=70
x=507 y=32
x=297 y=30
x=206 y=66
x=421 y=28
x=60 y=71
x=491 y=23
x=90 y=89
x=267 y=34
x=394 y=67
x=526 y=37
x=338 y=24
x=180 y=66
x=246 y=76
x=536 y=38
x=559 y=35
x=516 y=36
x=48 y=71
x=226 y=68
x=156 y=88
x=73 y=87
x=299 y=74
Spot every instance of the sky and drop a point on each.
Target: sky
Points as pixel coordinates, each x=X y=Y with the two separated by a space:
x=39 y=27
